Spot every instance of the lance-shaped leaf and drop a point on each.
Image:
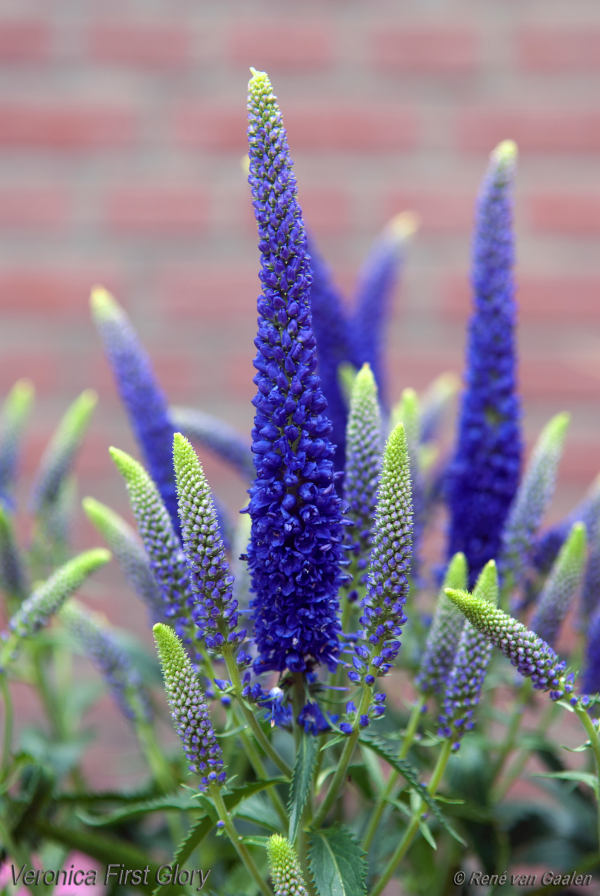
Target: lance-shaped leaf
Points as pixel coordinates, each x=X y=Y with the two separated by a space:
x=141 y=394
x=97 y=642
x=389 y=566
x=219 y=437
x=215 y=612
x=408 y=413
x=167 y=560
x=332 y=334
x=60 y=453
x=463 y=689
x=13 y=576
x=129 y=553
x=47 y=599
x=377 y=282
x=560 y=588
x=531 y=501
x=189 y=710
x=295 y=551
x=337 y=863
x=285 y=868
x=531 y=655
x=363 y=462
x=444 y=633
x=483 y=476
x=15 y=411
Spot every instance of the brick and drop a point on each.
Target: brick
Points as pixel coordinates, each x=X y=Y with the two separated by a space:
x=25 y=364
x=574 y=212
x=24 y=41
x=535 y=129
x=333 y=126
x=426 y=50
x=282 y=46
x=210 y=292
x=52 y=289
x=32 y=207
x=162 y=210
x=539 y=297
x=153 y=45
x=68 y=127
x=558 y=50
x=439 y=211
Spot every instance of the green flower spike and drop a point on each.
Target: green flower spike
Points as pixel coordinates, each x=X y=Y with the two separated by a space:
x=563 y=581
x=46 y=600
x=13 y=578
x=444 y=633
x=285 y=868
x=15 y=412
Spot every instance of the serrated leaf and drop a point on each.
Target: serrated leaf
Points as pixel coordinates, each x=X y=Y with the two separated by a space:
x=304 y=769
x=337 y=863
x=403 y=767
x=180 y=802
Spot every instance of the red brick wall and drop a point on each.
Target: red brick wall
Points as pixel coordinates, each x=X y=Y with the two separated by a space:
x=122 y=127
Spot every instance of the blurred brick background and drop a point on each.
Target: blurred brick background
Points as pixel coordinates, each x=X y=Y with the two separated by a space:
x=122 y=127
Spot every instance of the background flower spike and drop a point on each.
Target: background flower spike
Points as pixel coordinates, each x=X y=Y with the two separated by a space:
x=215 y=613
x=295 y=551
x=129 y=554
x=13 y=574
x=561 y=586
x=219 y=437
x=141 y=394
x=15 y=413
x=61 y=450
x=189 y=710
x=483 y=476
x=464 y=684
x=531 y=501
x=285 y=869
x=444 y=633
x=407 y=412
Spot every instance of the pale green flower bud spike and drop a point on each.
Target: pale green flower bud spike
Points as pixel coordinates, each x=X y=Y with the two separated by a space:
x=15 y=411
x=563 y=582
x=285 y=869
x=13 y=577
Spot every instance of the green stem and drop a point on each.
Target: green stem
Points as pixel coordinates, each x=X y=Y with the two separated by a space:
x=8 y=725
x=260 y=770
x=344 y=762
x=413 y=827
x=592 y=732
x=237 y=842
x=514 y=771
x=267 y=748
x=411 y=730
x=512 y=730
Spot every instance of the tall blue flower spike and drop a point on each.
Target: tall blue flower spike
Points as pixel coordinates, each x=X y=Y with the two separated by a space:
x=129 y=554
x=332 y=334
x=15 y=411
x=295 y=551
x=141 y=394
x=531 y=656
x=61 y=450
x=189 y=710
x=484 y=474
x=590 y=680
x=530 y=503
x=215 y=612
x=97 y=641
x=364 y=450
x=590 y=591
x=444 y=633
x=377 y=283
x=560 y=588
x=389 y=567
x=219 y=437
x=463 y=689
x=167 y=560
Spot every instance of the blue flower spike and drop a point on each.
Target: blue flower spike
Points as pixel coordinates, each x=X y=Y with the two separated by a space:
x=13 y=575
x=483 y=476
x=15 y=413
x=189 y=709
x=295 y=552
x=531 y=501
x=444 y=634
x=378 y=280
x=561 y=586
x=215 y=613
x=590 y=679
x=286 y=873
x=141 y=394
x=531 y=656
x=389 y=567
x=463 y=689
x=364 y=450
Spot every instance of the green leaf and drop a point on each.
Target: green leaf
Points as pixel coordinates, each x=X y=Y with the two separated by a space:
x=180 y=802
x=304 y=769
x=260 y=812
x=571 y=775
x=337 y=863
x=389 y=753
